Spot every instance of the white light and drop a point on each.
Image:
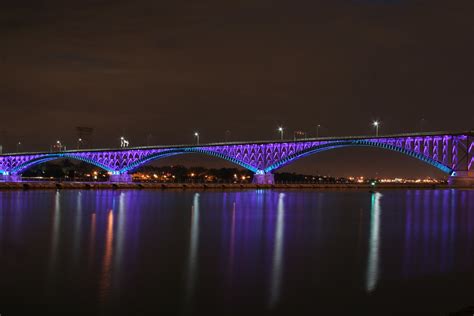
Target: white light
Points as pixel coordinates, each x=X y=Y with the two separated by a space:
x=280 y=129
x=196 y=134
x=376 y=123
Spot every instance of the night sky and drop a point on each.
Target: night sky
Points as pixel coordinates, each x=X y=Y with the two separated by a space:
x=168 y=68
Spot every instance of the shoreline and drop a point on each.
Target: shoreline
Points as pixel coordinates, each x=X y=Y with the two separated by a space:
x=32 y=185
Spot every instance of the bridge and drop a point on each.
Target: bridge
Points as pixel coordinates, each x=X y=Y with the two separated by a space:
x=450 y=152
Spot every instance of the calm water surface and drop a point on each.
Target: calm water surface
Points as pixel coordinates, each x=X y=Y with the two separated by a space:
x=403 y=252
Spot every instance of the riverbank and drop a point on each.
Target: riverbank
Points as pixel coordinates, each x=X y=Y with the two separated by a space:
x=213 y=186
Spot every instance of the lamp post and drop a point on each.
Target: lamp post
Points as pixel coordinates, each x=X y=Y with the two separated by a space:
x=18 y=147
x=280 y=129
x=124 y=142
x=196 y=134
x=317 y=130
x=376 y=125
x=79 y=143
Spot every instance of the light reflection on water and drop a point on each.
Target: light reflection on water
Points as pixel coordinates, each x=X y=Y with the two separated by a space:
x=374 y=243
x=266 y=251
x=277 y=262
x=192 y=261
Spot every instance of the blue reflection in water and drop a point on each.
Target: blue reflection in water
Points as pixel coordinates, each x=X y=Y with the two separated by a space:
x=438 y=222
x=192 y=261
x=55 y=231
x=277 y=261
x=374 y=244
x=231 y=246
x=77 y=228
x=278 y=250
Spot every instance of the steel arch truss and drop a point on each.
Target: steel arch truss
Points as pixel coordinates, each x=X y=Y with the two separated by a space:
x=447 y=152
x=324 y=146
x=215 y=152
x=21 y=163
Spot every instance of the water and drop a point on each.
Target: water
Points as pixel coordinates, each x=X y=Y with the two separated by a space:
x=401 y=252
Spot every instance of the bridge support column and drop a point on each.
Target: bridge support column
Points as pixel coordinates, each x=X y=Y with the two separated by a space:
x=462 y=178
x=10 y=178
x=266 y=178
x=120 y=178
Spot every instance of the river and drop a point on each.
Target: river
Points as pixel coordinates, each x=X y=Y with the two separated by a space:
x=265 y=252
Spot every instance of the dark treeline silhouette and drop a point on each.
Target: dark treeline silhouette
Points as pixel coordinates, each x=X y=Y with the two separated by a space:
x=69 y=170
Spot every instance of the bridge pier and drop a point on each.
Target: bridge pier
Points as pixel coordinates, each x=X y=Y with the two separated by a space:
x=10 y=178
x=124 y=178
x=266 y=178
x=463 y=178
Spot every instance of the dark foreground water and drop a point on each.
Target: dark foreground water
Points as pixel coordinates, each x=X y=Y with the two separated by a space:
x=236 y=253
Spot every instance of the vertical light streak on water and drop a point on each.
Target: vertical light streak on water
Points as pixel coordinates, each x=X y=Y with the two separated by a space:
x=374 y=244
x=277 y=261
x=426 y=233
x=444 y=232
x=92 y=239
x=107 y=260
x=55 y=232
x=468 y=224
x=434 y=232
x=417 y=233
x=408 y=247
x=53 y=255
x=452 y=227
x=120 y=234
x=232 y=246
x=193 y=252
x=77 y=228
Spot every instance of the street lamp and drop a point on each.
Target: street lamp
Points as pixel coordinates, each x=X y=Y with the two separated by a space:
x=18 y=147
x=124 y=142
x=317 y=130
x=196 y=134
x=376 y=125
x=79 y=143
x=280 y=129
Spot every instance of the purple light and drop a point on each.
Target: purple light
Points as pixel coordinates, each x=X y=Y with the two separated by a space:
x=264 y=157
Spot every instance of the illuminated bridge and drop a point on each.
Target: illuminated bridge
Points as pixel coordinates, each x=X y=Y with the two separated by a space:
x=452 y=153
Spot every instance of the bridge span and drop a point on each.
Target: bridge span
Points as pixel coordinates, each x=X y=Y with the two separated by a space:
x=451 y=152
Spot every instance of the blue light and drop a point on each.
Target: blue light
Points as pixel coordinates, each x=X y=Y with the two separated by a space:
x=185 y=150
x=353 y=143
x=259 y=157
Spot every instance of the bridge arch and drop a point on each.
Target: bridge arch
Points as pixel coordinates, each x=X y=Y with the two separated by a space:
x=49 y=157
x=179 y=151
x=356 y=143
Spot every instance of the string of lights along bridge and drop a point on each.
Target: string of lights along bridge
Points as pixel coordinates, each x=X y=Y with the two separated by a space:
x=451 y=152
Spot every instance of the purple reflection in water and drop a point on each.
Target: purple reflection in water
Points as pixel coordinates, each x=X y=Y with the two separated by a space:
x=234 y=253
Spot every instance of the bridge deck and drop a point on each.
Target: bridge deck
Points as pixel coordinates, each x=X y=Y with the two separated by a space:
x=332 y=138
